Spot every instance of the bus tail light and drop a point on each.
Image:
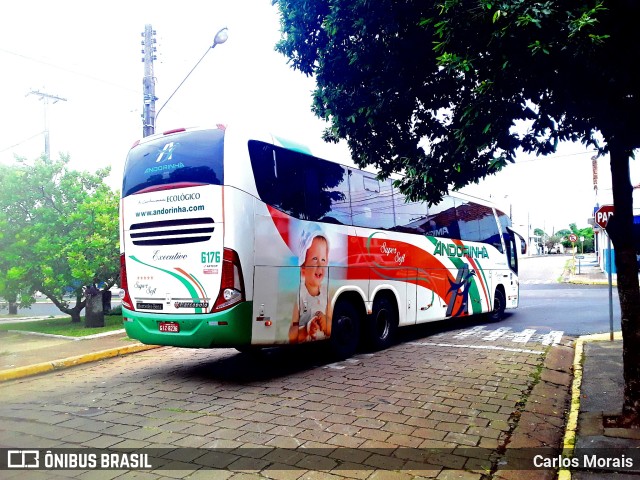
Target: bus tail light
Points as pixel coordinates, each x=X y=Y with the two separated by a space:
x=231 y=282
x=124 y=285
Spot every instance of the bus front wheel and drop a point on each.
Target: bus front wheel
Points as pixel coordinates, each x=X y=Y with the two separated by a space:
x=499 y=305
x=345 y=331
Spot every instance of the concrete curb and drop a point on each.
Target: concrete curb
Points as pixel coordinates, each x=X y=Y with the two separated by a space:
x=66 y=337
x=569 y=441
x=591 y=282
x=27 y=371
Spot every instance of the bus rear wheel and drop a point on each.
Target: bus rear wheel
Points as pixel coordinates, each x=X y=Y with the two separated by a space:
x=345 y=331
x=499 y=305
x=382 y=326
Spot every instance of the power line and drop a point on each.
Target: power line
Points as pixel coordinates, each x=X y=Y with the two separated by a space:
x=554 y=157
x=68 y=70
x=23 y=141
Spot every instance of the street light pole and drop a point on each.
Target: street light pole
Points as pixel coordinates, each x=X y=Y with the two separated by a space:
x=149 y=81
x=221 y=37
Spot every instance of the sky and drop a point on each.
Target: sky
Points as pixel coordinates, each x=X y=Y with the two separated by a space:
x=89 y=53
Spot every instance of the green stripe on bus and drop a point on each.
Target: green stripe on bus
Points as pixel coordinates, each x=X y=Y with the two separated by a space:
x=474 y=291
x=486 y=284
x=187 y=285
x=229 y=328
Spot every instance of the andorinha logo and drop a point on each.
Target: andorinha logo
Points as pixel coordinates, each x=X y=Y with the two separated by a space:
x=453 y=250
x=161 y=168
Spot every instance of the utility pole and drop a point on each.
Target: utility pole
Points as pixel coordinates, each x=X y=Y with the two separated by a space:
x=45 y=97
x=149 y=82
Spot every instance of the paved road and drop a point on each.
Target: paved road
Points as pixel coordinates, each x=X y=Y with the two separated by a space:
x=542 y=270
x=575 y=309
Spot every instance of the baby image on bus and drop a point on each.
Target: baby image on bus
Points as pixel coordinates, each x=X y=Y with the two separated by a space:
x=310 y=313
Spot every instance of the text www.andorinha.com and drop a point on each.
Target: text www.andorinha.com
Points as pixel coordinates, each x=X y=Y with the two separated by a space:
x=170 y=211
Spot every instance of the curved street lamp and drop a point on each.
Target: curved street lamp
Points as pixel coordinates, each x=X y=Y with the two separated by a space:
x=220 y=38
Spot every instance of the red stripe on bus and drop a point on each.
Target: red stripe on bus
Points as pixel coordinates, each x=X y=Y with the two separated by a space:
x=281 y=221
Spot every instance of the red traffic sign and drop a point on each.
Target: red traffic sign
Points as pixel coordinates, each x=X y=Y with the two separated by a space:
x=602 y=215
x=573 y=238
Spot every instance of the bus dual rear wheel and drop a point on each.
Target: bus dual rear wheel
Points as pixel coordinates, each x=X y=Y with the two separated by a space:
x=382 y=326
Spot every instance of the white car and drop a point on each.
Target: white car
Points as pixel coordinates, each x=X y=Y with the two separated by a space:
x=557 y=248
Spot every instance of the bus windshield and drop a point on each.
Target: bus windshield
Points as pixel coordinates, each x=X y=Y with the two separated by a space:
x=184 y=157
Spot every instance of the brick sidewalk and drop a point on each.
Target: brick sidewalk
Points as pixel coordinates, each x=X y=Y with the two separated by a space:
x=410 y=398
x=21 y=349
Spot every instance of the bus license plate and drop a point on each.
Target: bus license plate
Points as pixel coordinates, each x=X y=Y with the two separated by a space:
x=169 y=327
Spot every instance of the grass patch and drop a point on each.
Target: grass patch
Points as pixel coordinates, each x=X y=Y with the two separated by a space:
x=63 y=326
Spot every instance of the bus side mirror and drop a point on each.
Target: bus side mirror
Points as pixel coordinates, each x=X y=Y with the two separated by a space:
x=523 y=243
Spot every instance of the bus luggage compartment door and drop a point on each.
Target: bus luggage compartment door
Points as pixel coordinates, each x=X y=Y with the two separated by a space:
x=275 y=293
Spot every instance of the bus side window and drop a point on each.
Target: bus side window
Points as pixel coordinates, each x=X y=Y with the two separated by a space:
x=327 y=195
x=489 y=230
x=442 y=219
x=291 y=183
x=301 y=185
x=411 y=217
x=371 y=201
x=468 y=215
x=263 y=162
x=478 y=223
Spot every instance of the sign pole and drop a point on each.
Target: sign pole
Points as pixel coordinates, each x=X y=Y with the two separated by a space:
x=601 y=218
x=610 y=290
x=573 y=238
x=580 y=258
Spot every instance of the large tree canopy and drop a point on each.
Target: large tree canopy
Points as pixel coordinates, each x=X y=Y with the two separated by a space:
x=437 y=89
x=449 y=91
x=59 y=232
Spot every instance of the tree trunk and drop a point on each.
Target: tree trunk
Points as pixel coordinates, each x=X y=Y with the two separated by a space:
x=620 y=229
x=12 y=300
x=74 y=312
x=75 y=315
x=13 y=308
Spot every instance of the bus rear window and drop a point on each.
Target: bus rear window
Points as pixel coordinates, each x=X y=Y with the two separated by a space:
x=191 y=157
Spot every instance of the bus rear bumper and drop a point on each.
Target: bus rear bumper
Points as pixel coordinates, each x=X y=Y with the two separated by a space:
x=230 y=328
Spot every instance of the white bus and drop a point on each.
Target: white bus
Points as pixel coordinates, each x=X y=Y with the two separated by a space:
x=231 y=240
